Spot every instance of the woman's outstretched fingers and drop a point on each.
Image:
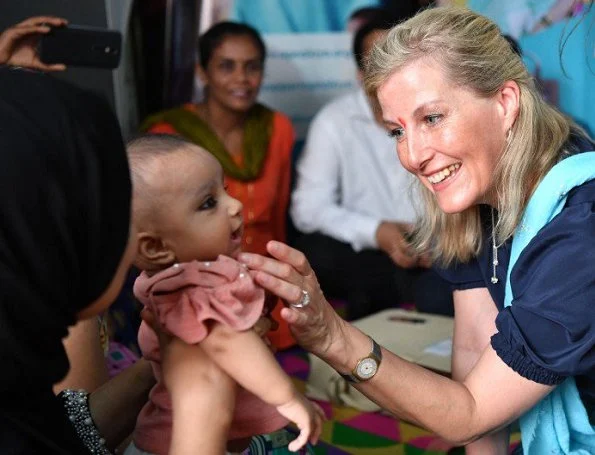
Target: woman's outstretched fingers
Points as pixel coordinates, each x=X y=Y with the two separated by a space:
x=279 y=286
x=289 y=255
x=289 y=275
x=277 y=276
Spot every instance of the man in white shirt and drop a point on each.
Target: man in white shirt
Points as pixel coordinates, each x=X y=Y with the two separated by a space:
x=353 y=202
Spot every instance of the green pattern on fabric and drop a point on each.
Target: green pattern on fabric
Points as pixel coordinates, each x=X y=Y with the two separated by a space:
x=344 y=435
x=410 y=450
x=257 y=135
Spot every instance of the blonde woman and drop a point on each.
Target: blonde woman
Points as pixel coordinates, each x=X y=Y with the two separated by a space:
x=509 y=213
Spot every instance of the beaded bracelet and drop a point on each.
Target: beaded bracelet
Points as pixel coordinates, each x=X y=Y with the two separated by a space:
x=76 y=403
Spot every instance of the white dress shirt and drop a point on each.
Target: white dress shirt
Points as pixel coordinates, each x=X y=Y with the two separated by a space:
x=349 y=178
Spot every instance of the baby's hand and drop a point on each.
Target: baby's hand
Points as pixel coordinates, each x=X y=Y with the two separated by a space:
x=308 y=417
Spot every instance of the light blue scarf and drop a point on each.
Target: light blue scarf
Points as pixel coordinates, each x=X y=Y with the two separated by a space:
x=559 y=423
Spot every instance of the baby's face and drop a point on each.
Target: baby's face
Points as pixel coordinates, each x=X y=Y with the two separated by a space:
x=199 y=220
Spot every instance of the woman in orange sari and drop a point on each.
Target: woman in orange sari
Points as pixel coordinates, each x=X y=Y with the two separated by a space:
x=252 y=142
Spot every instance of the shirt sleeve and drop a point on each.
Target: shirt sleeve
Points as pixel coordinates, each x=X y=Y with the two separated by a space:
x=548 y=332
x=315 y=202
x=462 y=276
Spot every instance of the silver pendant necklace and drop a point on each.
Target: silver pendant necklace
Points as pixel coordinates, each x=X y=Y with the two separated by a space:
x=494 y=278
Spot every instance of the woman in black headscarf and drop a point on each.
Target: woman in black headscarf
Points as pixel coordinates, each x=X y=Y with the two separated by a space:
x=64 y=229
x=65 y=247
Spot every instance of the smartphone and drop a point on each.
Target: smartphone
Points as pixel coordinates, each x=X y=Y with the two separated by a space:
x=75 y=45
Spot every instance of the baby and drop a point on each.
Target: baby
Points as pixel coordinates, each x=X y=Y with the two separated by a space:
x=189 y=231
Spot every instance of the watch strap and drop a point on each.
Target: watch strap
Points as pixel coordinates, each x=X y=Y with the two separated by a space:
x=376 y=354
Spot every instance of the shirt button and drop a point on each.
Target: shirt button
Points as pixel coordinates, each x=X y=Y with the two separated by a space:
x=250 y=187
x=249 y=239
x=250 y=215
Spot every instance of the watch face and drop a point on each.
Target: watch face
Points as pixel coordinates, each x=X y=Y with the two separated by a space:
x=367 y=368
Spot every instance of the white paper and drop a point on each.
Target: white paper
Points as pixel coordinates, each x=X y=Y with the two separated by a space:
x=441 y=348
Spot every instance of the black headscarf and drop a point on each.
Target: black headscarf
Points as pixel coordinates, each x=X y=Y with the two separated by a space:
x=64 y=218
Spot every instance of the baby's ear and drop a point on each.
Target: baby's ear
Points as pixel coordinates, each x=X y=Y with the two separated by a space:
x=152 y=252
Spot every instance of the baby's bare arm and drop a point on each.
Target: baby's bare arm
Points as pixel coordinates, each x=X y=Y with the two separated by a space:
x=246 y=358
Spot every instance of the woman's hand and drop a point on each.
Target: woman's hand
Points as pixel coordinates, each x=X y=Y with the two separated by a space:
x=18 y=44
x=316 y=327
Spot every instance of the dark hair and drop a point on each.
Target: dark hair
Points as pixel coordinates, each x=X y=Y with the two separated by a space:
x=213 y=37
x=380 y=18
x=151 y=142
x=514 y=44
x=379 y=22
x=366 y=13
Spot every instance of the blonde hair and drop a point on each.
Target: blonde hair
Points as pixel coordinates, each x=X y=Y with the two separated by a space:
x=475 y=55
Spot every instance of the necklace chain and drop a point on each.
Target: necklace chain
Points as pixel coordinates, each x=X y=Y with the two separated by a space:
x=494 y=278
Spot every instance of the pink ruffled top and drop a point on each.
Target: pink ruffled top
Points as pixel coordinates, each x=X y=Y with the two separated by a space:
x=184 y=297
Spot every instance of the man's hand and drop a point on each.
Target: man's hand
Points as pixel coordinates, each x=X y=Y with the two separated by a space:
x=18 y=44
x=425 y=261
x=391 y=239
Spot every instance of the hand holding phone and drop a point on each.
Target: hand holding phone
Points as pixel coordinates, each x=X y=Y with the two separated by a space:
x=18 y=44
x=75 y=45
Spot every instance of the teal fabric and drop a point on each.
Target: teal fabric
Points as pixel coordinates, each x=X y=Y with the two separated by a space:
x=514 y=17
x=276 y=444
x=573 y=71
x=559 y=423
x=297 y=16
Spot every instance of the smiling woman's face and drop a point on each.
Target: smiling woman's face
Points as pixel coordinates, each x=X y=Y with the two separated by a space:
x=449 y=137
x=234 y=73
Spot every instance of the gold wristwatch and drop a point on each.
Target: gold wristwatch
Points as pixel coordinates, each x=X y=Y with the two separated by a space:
x=366 y=367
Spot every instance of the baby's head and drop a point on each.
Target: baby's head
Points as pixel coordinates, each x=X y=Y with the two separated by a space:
x=181 y=209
